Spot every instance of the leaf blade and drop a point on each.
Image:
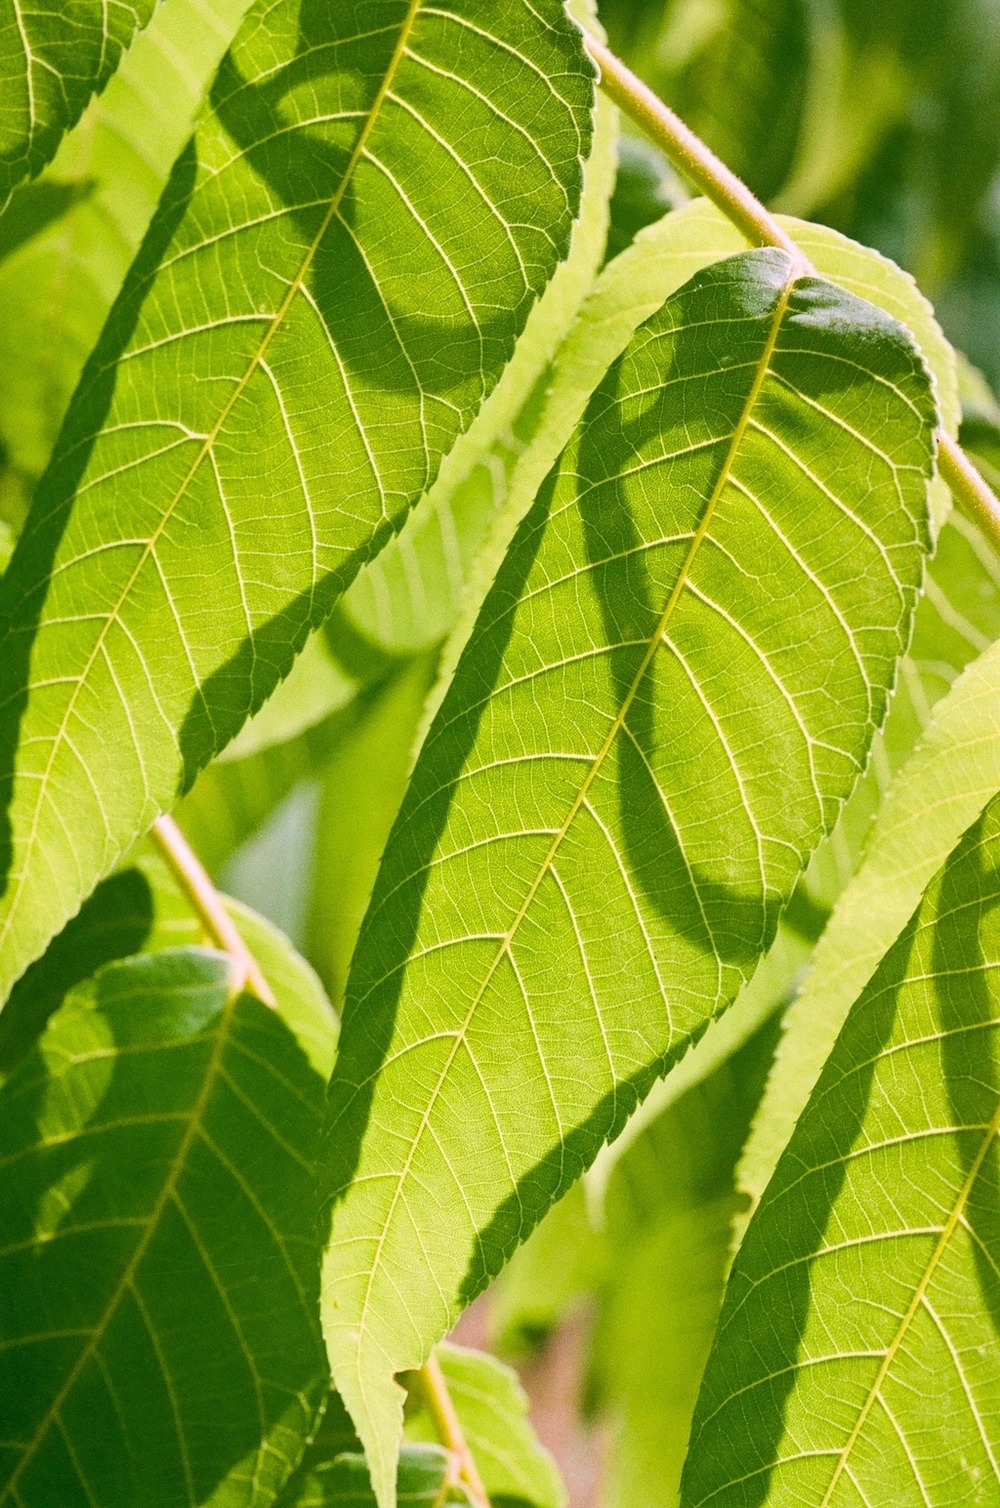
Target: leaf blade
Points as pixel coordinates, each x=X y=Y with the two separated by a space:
x=879 y=1233
x=265 y=279
x=52 y=59
x=162 y=1227
x=559 y=652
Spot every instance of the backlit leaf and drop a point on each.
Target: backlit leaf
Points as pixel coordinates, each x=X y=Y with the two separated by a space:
x=857 y=1354
x=333 y=282
x=53 y=57
x=159 y=1254
x=553 y=847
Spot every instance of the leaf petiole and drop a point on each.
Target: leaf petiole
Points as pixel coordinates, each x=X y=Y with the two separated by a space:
x=433 y=1387
x=700 y=166
x=206 y=900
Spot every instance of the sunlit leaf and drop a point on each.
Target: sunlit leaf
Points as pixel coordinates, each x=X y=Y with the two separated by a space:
x=53 y=57
x=553 y=846
x=332 y=284
x=78 y=228
x=856 y=1356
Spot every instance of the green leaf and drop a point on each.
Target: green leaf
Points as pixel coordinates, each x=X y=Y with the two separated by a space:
x=670 y=1207
x=159 y=1252
x=552 y=841
x=362 y=787
x=80 y=226
x=855 y=1360
x=492 y=1409
x=405 y=601
x=53 y=57
x=942 y=788
x=425 y=1479
x=330 y=229
x=557 y=1267
x=232 y=798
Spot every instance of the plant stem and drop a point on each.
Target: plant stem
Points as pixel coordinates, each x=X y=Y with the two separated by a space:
x=207 y=901
x=688 y=152
x=433 y=1386
x=970 y=490
x=700 y=165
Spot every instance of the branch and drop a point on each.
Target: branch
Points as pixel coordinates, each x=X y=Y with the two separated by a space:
x=700 y=166
x=207 y=901
x=432 y=1384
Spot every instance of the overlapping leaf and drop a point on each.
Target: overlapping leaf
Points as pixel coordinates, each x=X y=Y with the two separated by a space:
x=333 y=282
x=160 y=1273
x=53 y=57
x=69 y=238
x=857 y=1354
x=492 y=1409
x=669 y=1208
x=621 y=786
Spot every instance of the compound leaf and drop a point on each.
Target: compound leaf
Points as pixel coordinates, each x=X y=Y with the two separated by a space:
x=333 y=282
x=856 y=1356
x=727 y=476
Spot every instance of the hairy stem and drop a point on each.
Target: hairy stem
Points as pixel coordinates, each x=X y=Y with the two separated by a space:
x=969 y=488
x=700 y=166
x=689 y=153
x=437 y=1399
x=207 y=901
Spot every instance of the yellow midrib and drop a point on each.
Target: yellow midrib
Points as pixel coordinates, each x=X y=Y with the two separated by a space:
x=696 y=542
x=112 y=616
x=947 y=1232
x=128 y=1274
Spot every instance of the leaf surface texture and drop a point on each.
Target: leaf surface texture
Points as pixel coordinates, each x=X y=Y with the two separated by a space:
x=334 y=280
x=160 y=1268
x=856 y=1359
x=621 y=786
x=53 y=57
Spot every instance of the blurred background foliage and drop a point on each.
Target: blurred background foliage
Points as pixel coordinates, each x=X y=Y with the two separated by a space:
x=880 y=118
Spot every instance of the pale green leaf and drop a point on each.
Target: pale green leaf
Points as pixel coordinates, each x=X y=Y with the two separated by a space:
x=159 y=1255
x=552 y=845
x=57 y=286
x=53 y=57
x=670 y=1208
x=367 y=212
x=362 y=786
x=856 y=1356
x=953 y=772
x=492 y=1409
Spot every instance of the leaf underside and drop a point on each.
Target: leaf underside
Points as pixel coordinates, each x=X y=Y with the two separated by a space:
x=335 y=277
x=158 y=1264
x=622 y=786
x=53 y=56
x=858 y=1355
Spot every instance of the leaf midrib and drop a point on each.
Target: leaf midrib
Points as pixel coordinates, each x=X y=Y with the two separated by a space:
x=951 y=1224
x=592 y=773
x=126 y=1282
x=206 y=448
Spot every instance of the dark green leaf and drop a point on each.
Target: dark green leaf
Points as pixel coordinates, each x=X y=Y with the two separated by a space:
x=159 y=1257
